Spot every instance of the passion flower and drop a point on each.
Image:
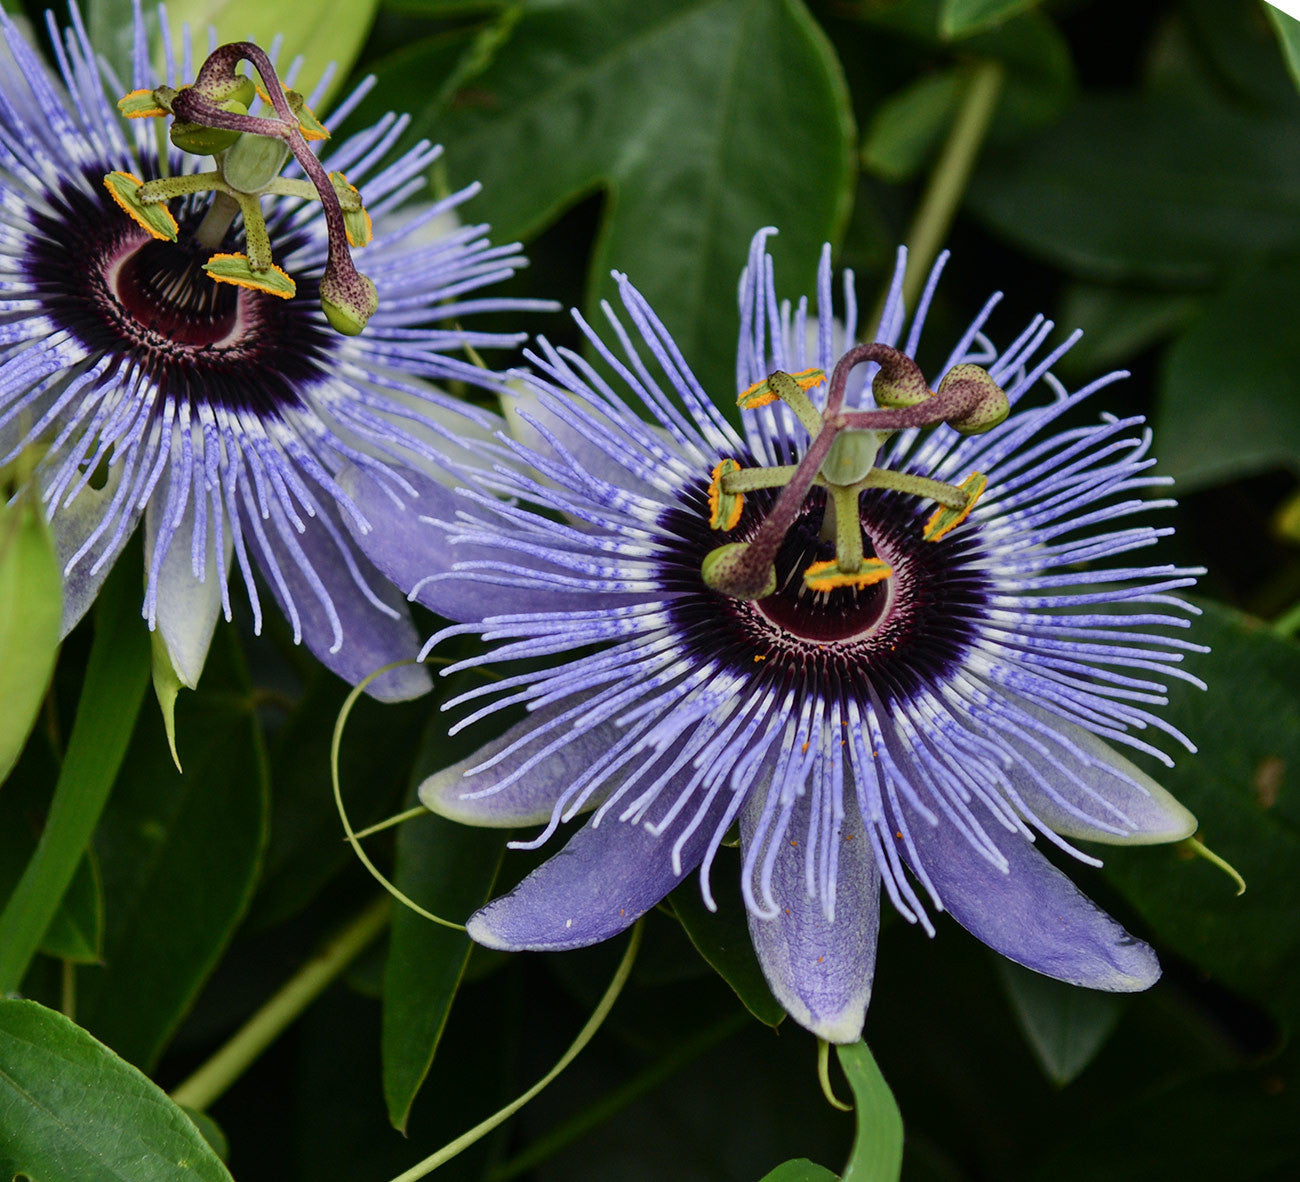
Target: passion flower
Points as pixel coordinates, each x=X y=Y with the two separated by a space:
x=179 y=343
x=880 y=636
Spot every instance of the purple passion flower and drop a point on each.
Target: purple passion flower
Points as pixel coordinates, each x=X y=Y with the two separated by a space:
x=183 y=350
x=881 y=639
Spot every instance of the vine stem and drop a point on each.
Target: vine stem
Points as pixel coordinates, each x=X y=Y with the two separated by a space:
x=585 y=1035
x=216 y=1075
x=951 y=174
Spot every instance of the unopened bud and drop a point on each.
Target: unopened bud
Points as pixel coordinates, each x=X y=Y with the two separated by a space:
x=728 y=570
x=348 y=301
x=991 y=405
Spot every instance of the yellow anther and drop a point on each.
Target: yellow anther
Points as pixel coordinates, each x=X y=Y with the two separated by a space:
x=234 y=268
x=140 y=104
x=724 y=507
x=311 y=127
x=827 y=576
x=944 y=520
x=762 y=393
x=154 y=218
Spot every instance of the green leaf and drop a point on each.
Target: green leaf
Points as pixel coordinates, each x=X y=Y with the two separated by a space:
x=1287 y=29
x=1065 y=1026
x=722 y=938
x=448 y=869
x=700 y=120
x=960 y=18
x=909 y=126
x=111 y=694
x=1117 y=323
x=324 y=32
x=76 y=932
x=877 y=1154
x=1226 y=405
x=1147 y=189
x=800 y=1169
x=31 y=619
x=1244 y=787
x=70 y=1108
x=179 y=855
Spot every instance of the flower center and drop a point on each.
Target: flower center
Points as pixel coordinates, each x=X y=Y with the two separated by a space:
x=839 y=616
x=147 y=303
x=162 y=287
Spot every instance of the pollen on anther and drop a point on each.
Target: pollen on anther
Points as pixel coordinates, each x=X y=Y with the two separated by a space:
x=724 y=508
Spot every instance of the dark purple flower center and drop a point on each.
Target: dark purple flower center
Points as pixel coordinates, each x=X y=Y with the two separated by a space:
x=149 y=305
x=906 y=631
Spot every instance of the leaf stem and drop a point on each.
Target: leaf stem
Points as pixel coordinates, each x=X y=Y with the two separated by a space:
x=216 y=1075
x=585 y=1035
x=951 y=174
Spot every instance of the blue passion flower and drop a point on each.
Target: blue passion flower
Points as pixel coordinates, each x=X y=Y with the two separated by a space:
x=880 y=637
x=179 y=341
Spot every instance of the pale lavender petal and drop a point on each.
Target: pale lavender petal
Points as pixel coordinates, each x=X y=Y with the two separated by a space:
x=1032 y=913
x=820 y=969
x=605 y=878
x=479 y=799
x=417 y=554
x=1128 y=806
x=338 y=620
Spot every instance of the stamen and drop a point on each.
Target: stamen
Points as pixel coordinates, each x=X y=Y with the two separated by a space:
x=724 y=507
x=946 y=519
x=827 y=576
x=155 y=220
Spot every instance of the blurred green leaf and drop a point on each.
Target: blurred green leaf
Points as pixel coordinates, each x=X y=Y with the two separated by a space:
x=1240 y=47
x=1065 y=1026
x=1244 y=787
x=1287 y=29
x=325 y=32
x=959 y=18
x=800 y=1169
x=179 y=855
x=878 y=1146
x=76 y=932
x=111 y=26
x=1147 y=189
x=448 y=869
x=1238 y=1125
x=111 y=694
x=1226 y=403
x=1117 y=323
x=909 y=126
x=70 y=1108
x=449 y=59
x=31 y=619
x=722 y=938
x=701 y=121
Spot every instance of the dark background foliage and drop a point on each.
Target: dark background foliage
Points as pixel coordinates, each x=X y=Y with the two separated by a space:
x=1140 y=179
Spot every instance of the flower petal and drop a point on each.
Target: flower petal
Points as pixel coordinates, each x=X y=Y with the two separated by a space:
x=1032 y=914
x=605 y=878
x=531 y=798
x=820 y=970
x=371 y=637
x=72 y=525
x=187 y=609
x=1144 y=812
x=411 y=551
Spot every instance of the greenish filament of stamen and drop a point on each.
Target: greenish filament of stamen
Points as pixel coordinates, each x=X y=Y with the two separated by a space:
x=947 y=495
x=752 y=479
